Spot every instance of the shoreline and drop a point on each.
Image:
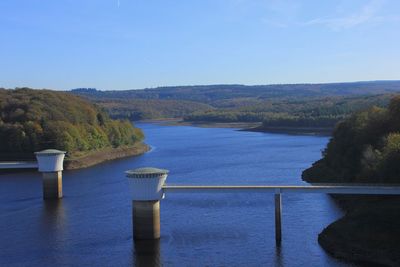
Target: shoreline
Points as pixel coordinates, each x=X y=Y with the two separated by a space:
x=203 y=124
x=323 y=131
x=93 y=158
x=366 y=234
x=244 y=126
x=107 y=154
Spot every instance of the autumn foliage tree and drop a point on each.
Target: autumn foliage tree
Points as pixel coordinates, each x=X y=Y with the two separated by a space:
x=32 y=120
x=365 y=148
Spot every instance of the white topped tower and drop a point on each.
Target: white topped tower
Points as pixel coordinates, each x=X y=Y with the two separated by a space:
x=146 y=190
x=50 y=163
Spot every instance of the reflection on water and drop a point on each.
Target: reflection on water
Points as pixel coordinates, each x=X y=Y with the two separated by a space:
x=53 y=211
x=53 y=222
x=147 y=253
x=278 y=256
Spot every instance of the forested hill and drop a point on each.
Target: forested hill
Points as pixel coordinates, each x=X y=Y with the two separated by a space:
x=32 y=120
x=292 y=105
x=211 y=94
x=365 y=148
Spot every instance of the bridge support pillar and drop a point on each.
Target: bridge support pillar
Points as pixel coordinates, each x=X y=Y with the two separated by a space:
x=52 y=185
x=146 y=219
x=50 y=163
x=146 y=190
x=278 y=218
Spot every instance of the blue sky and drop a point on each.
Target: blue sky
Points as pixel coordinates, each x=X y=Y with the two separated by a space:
x=127 y=44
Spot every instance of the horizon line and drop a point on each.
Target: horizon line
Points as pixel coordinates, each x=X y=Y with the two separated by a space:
x=204 y=85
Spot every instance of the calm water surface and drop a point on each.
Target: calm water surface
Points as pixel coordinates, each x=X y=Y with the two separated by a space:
x=91 y=225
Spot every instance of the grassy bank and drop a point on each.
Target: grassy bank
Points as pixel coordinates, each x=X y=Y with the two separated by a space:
x=99 y=156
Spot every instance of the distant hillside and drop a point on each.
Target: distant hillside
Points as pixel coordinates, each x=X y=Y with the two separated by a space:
x=142 y=109
x=314 y=112
x=287 y=105
x=211 y=94
x=32 y=120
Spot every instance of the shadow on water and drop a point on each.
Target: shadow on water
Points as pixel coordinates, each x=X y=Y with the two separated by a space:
x=278 y=256
x=147 y=253
x=53 y=211
x=53 y=220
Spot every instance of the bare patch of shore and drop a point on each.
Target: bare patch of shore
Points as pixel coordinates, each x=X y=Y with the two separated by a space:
x=204 y=124
x=246 y=126
x=322 y=131
x=96 y=157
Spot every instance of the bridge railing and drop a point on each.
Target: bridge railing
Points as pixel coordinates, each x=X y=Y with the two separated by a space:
x=325 y=189
x=278 y=190
x=18 y=165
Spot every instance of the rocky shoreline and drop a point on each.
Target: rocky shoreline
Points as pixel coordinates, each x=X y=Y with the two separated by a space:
x=367 y=234
x=103 y=155
x=333 y=242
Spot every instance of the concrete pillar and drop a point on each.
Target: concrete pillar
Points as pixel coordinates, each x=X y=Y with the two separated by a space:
x=50 y=163
x=52 y=184
x=147 y=253
x=146 y=191
x=146 y=219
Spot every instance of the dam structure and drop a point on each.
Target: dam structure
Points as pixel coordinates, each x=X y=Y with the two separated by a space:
x=148 y=187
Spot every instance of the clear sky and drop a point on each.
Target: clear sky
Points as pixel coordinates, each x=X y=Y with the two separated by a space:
x=127 y=44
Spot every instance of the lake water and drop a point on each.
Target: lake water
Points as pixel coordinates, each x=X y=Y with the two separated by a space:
x=91 y=225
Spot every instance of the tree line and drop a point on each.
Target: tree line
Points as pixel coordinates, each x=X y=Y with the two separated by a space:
x=319 y=112
x=283 y=105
